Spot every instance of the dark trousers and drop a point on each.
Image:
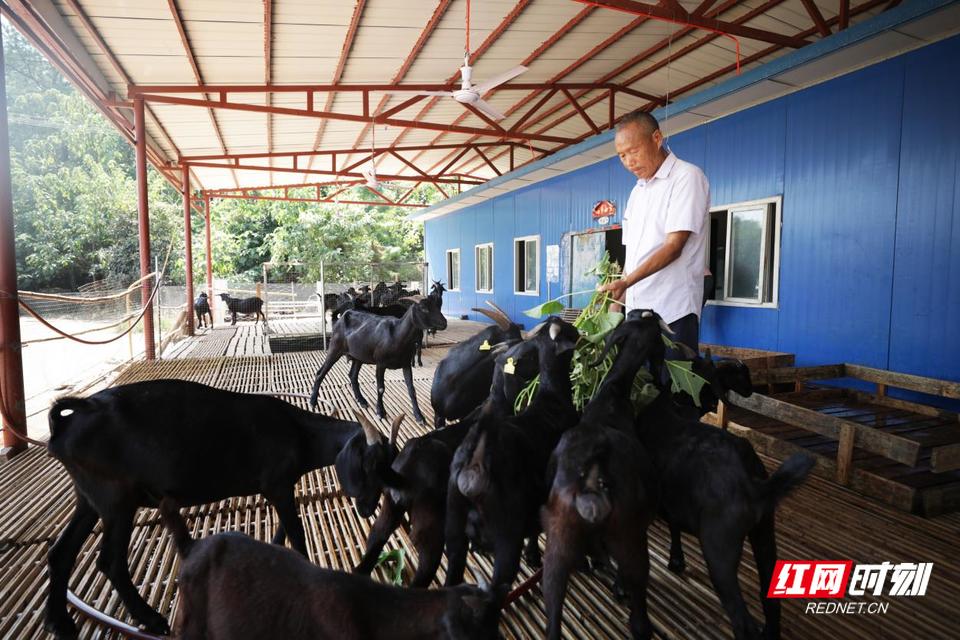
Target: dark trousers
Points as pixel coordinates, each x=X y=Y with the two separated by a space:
x=687 y=331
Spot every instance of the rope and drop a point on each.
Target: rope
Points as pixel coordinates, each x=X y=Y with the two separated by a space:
x=84 y=300
x=85 y=331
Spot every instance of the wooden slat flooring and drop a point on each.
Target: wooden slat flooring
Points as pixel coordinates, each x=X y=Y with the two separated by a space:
x=820 y=521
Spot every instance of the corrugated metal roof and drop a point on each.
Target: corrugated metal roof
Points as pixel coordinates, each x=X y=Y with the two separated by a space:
x=312 y=43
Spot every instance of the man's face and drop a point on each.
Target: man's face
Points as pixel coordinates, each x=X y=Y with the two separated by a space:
x=639 y=150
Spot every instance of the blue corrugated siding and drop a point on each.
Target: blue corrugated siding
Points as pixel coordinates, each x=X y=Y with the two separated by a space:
x=868 y=165
x=924 y=335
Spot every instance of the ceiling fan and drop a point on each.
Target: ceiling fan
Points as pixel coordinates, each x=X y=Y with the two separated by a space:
x=469 y=93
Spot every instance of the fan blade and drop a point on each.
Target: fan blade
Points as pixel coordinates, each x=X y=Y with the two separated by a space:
x=488 y=109
x=495 y=81
x=419 y=93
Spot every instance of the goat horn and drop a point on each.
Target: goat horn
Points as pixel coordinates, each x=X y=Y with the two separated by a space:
x=370 y=431
x=501 y=322
x=495 y=306
x=395 y=429
x=536 y=329
x=665 y=327
x=689 y=353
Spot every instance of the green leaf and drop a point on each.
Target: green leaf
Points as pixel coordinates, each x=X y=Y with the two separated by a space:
x=684 y=379
x=550 y=307
x=393 y=562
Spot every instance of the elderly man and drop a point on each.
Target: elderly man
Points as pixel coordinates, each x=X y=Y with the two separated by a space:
x=664 y=229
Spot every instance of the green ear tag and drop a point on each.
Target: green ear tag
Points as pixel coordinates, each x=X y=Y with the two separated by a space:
x=485 y=346
x=509 y=367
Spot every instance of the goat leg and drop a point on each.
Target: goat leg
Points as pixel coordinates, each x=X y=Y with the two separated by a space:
x=355 y=367
x=427 y=535
x=764 y=544
x=456 y=535
x=408 y=378
x=234 y=315
x=286 y=506
x=721 y=551
x=333 y=354
x=628 y=546
x=387 y=522
x=279 y=536
x=381 y=387
x=60 y=560
x=507 y=550
x=113 y=563
x=677 y=563
x=563 y=549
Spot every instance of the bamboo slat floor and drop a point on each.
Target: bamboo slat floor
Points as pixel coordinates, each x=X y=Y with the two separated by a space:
x=820 y=521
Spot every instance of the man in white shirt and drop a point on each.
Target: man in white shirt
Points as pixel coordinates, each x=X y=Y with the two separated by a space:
x=664 y=229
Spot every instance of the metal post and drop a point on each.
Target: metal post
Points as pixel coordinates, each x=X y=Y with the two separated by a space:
x=11 y=358
x=156 y=269
x=188 y=249
x=323 y=307
x=143 y=209
x=206 y=209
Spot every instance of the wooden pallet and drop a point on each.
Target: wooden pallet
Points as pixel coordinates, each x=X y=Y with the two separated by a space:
x=902 y=452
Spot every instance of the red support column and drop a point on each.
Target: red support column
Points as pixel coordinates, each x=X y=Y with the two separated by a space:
x=206 y=209
x=188 y=248
x=143 y=209
x=11 y=362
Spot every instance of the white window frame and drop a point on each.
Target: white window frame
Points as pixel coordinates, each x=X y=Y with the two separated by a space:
x=536 y=291
x=476 y=260
x=777 y=202
x=459 y=268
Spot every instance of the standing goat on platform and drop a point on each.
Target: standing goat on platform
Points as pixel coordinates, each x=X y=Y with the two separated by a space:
x=202 y=308
x=244 y=305
x=497 y=478
x=129 y=446
x=604 y=487
x=388 y=343
x=462 y=380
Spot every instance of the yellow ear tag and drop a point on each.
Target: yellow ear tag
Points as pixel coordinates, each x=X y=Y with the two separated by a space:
x=485 y=346
x=509 y=367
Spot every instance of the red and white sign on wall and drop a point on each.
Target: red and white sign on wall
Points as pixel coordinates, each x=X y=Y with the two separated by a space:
x=604 y=210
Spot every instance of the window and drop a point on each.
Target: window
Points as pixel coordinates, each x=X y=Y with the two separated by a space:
x=484 y=261
x=526 y=265
x=744 y=255
x=453 y=269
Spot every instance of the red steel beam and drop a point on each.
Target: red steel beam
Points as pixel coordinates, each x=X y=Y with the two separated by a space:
x=386 y=203
x=178 y=22
x=326 y=152
x=508 y=20
x=580 y=110
x=425 y=34
x=11 y=358
x=341 y=63
x=296 y=185
x=188 y=248
x=589 y=55
x=817 y=17
x=209 y=256
x=487 y=160
x=844 y=15
x=223 y=90
x=345 y=174
x=143 y=210
x=348 y=117
x=710 y=24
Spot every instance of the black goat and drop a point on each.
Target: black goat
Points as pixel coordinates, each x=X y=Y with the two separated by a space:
x=722 y=375
x=715 y=487
x=604 y=489
x=497 y=477
x=388 y=343
x=202 y=308
x=416 y=484
x=129 y=446
x=462 y=379
x=232 y=587
x=244 y=305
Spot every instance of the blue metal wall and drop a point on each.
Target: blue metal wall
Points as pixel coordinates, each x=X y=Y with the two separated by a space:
x=868 y=165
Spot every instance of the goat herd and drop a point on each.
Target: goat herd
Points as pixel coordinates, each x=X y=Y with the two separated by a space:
x=495 y=480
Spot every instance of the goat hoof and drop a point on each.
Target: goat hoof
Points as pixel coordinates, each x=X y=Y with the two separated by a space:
x=419 y=419
x=61 y=627
x=156 y=624
x=677 y=566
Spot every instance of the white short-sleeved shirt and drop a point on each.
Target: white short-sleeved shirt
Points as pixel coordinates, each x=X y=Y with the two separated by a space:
x=676 y=198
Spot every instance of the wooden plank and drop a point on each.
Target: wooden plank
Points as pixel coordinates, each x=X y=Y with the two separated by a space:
x=897 y=403
x=931 y=386
x=885 y=444
x=794 y=374
x=845 y=454
x=945 y=458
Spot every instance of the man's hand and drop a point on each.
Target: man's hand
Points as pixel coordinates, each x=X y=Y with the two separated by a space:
x=617 y=289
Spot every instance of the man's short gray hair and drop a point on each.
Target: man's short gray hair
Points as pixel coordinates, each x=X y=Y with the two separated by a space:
x=642 y=119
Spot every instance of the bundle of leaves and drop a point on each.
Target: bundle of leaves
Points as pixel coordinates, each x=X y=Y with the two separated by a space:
x=393 y=563
x=587 y=370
